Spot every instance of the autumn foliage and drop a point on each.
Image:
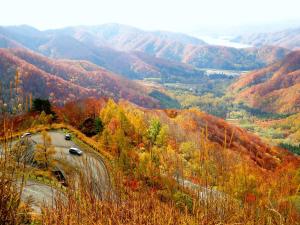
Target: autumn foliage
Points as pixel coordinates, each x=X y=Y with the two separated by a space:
x=176 y=167
x=274 y=88
x=64 y=81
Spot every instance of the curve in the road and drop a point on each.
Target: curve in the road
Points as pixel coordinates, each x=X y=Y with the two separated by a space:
x=90 y=165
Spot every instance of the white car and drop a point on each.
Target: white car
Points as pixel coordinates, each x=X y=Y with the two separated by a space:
x=75 y=151
x=26 y=135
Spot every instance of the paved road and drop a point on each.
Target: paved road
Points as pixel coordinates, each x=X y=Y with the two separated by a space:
x=41 y=194
x=89 y=165
x=204 y=193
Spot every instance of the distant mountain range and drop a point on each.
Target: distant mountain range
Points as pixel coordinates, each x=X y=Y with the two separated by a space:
x=289 y=39
x=275 y=88
x=78 y=62
x=115 y=48
x=65 y=80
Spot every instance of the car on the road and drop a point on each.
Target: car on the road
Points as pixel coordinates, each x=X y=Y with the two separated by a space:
x=68 y=137
x=26 y=135
x=75 y=151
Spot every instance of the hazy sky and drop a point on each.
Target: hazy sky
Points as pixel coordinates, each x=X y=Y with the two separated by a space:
x=172 y=15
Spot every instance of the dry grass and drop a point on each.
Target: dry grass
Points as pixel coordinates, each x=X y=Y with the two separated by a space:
x=139 y=208
x=12 y=179
x=148 y=207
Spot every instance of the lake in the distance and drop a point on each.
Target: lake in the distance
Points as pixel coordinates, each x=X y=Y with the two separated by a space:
x=223 y=41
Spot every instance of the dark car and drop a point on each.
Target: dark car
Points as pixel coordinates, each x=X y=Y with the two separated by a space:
x=68 y=137
x=75 y=151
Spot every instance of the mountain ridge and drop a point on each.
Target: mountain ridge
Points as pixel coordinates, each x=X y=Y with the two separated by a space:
x=65 y=81
x=97 y=42
x=288 y=38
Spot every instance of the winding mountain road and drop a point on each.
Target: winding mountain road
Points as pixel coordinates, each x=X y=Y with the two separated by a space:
x=90 y=164
x=89 y=167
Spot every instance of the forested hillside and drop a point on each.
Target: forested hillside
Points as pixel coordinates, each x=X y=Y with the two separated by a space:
x=274 y=88
x=175 y=165
x=63 y=81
